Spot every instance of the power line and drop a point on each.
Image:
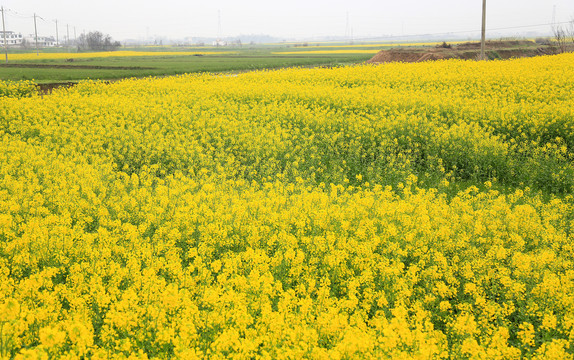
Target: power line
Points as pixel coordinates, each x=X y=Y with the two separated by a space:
x=36 y=32
x=529 y=26
x=458 y=32
x=18 y=15
x=348 y=30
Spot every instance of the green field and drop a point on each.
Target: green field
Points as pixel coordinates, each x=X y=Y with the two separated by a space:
x=222 y=60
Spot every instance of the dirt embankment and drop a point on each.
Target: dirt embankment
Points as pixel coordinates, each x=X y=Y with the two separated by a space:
x=466 y=51
x=46 y=89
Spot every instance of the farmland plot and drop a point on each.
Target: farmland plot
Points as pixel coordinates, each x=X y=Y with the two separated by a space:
x=397 y=211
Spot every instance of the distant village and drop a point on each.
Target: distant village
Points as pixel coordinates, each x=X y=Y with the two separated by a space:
x=14 y=39
x=17 y=40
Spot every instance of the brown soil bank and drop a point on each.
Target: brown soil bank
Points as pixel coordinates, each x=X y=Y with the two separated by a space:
x=467 y=51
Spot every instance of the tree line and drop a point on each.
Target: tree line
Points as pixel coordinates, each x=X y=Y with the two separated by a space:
x=97 y=41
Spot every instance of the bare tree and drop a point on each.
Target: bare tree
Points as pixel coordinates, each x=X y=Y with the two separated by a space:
x=564 y=35
x=96 y=41
x=25 y=44
x=560 y=38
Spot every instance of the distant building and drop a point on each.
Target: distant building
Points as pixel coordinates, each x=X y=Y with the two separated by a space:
x=228 y=42
x=188 y=40
x=12 y=39
x=43 y=41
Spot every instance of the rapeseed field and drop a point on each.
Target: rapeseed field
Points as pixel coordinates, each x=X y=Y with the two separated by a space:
x=399 y=211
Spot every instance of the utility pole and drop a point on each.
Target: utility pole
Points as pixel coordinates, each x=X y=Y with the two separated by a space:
x=4 y=31
x=554 y=16
x=57 y=39
x=36 y=33
x=554 y=20
x=67 y=35
x=483 y=36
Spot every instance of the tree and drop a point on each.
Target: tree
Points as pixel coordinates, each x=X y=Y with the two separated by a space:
x=564 y=35
x=560 y=38
x=96 y=41
x=25 y=44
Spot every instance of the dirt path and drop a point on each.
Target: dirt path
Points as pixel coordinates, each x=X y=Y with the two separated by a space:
x=81 y=67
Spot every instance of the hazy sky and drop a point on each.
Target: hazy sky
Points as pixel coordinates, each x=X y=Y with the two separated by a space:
x=137 y=19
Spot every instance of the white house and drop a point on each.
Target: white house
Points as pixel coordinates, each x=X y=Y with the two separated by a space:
x=219 y=42
x=12 y=39
x=43 y=41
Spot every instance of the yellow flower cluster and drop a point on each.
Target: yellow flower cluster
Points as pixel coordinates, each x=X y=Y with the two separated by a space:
x=106 y=54
x=399 y=211
x=17 y=88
